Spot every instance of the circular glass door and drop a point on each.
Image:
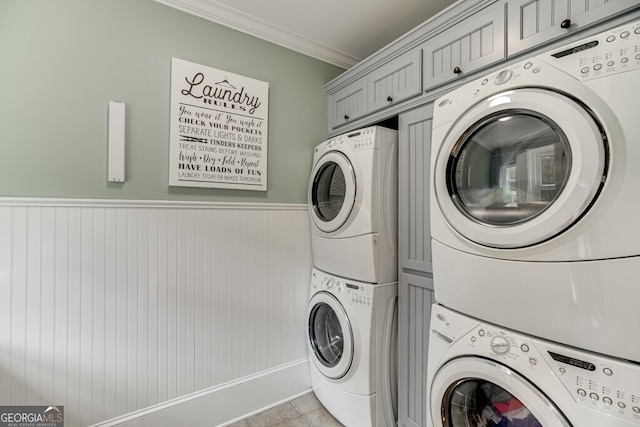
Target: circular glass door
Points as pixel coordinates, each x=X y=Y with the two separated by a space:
x=329 y=335
x=332 y=191
x=519 y=168
x=511 y=167
x=474 y=392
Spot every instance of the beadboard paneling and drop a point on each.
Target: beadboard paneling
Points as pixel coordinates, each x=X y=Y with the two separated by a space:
x=110 y=307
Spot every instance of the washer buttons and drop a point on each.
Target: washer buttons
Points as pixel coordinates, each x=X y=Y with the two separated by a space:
x=611 y=38
x=584 y=70
x=581 y=392
x=597 y=67
x=607 y=401
x=636 y=410
x=624 y=34
x=607 y=371
x=621 y=405
x=524 y=348
x=594 y=396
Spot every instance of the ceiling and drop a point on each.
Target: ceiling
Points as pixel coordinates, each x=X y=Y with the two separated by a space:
x=335 y=31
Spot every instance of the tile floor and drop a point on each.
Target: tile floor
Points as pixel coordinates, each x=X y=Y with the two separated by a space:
x=303 y=411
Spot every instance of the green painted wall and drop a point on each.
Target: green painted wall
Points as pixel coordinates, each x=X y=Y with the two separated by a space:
x=62 y=61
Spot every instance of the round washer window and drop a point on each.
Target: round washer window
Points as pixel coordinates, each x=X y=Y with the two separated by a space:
x=325 y=332
x=474 y=391
x=509 y=167
x=476 y=402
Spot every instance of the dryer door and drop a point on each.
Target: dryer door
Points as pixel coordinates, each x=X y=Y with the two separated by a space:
x=520 y=167
x=473 y=391
x=329 y=335
x=332 y=191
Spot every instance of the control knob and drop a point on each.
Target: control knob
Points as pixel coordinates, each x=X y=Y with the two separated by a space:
x=500 y=345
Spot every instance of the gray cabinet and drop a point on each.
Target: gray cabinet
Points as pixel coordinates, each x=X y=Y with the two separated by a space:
x=414 y=156
x=534 y=22
x=415 y=297
x=348 y=103
x=391 y=83
x=395 y=81
x=415 y=284
x=472 y=44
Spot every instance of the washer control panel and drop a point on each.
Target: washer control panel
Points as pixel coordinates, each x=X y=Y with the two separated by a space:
x=358 y=295
x=605 y=384
x=602 y=384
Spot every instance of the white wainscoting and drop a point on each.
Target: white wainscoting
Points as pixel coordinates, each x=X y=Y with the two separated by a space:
x=109 y=307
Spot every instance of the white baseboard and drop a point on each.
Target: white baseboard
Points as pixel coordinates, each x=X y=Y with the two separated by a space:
x=225 y=404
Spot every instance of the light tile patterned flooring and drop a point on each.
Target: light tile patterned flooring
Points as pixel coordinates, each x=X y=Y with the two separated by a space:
x=304 y=411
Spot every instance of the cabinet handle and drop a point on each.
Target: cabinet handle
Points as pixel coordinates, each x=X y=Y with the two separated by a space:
x=389 y=98
x=457 y=70
x=346 y=117
x=565 y=24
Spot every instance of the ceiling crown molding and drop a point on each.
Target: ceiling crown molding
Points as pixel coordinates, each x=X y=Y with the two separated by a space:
x=240 y=21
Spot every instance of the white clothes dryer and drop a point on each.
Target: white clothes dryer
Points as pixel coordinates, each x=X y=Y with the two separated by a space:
x=536 y=194
x=352 y=340
x=353 y=205
x=479 y=374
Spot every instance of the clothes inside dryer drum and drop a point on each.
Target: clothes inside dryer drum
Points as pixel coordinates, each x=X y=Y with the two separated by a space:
x=329 y=191
x=479 y=403
x=326 y=335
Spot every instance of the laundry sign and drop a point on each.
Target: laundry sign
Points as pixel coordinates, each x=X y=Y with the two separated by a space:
x=219 y=128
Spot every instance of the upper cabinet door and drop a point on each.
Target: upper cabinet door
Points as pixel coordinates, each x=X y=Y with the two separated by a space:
x=396 y=81
x=534 y=22
x=470 y=45
x=348 y=103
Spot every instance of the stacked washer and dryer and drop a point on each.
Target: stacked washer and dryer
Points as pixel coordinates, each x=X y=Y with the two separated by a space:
x=536 y=251
x=352 y=315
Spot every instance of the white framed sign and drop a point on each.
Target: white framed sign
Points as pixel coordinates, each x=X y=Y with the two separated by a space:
x=219 y=128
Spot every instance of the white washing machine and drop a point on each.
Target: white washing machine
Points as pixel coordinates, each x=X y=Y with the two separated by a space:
x=353 y=205
x=479 y=374
x=352 y=339
x=536 y=195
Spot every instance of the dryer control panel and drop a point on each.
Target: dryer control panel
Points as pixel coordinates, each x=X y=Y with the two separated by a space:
x=363 y=139
x=610 y=52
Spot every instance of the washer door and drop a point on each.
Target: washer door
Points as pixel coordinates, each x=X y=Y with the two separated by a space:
x=330 y=336
x=332 y=191
x=472 y=391
x=520 y=168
